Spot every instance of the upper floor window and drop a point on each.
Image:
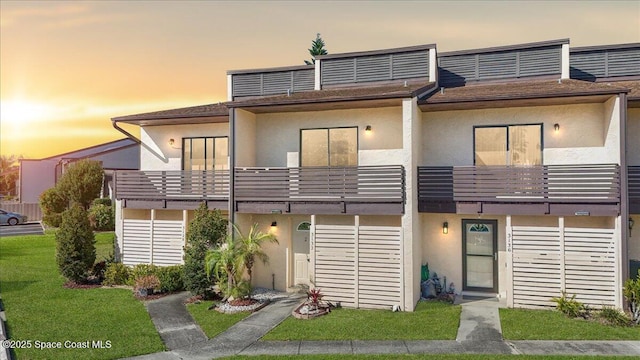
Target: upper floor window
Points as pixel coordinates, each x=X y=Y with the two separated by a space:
x=329 y=147
x=205 y=153
x=508 y=145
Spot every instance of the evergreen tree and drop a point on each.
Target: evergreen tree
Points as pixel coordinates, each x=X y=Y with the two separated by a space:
x=317 y=48
x=75 y=245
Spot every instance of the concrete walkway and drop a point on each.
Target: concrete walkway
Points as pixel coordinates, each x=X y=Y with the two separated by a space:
x=479 y=333
x=174 y=323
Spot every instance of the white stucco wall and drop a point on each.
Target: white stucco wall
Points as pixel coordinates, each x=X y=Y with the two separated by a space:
x=278 y=134
x=245 y=138
x=588 y=132
x=157 y=154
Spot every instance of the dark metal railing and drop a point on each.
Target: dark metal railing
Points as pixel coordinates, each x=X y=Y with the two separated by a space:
x=527 y=184
x=173 y=185
x=352 y=183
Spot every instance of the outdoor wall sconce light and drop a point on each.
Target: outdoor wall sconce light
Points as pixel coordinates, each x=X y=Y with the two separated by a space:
x=556 y=127
x=445 y=227
x=274 y=225
x=171 y=142
x=368 y=129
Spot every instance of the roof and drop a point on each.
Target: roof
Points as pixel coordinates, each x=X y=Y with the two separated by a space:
x=604 y=47
x=397 y=90
x=633 y=86
x=160 y=117
x=92 y=150
x=377 y=52
x=522 y=90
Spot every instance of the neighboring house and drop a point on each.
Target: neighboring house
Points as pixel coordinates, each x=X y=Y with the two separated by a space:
x=499 y=168
x=38 y=175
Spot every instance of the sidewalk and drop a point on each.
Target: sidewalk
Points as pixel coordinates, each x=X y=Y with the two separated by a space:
x=479 y=333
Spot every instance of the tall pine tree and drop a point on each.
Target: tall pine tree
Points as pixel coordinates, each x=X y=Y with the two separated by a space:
x=317 y=48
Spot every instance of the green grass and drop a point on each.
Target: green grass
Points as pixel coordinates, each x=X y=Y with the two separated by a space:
x=525 y=324
x=431 y=357
x=432 y=320
x=39 y=308
x=211 y=321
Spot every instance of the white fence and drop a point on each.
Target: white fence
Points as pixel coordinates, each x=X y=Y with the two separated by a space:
x=359 y=266
x=158 y=242
x=580 y=261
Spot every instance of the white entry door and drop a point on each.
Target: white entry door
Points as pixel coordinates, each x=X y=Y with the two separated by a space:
x=301 y=261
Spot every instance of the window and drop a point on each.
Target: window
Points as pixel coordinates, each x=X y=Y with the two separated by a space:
x=329 y=147
x=508 y=145
x=205 y=153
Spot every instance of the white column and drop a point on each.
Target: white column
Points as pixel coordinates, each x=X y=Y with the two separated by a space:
x=433 y=65
x=185 y=225
x=229 y=87
x=317 y=79
x=151 y=226
x=562 y=259
x=356 y=261
x=312 y=250
x=565 y=74
x=509 y=273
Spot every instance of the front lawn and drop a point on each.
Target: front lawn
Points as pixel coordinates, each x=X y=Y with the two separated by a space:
x=432 y=320
x=211 y=321
x=39 y=308
x=526 y=324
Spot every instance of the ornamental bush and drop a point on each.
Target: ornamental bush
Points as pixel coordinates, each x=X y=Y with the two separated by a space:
x=102 y=217
x=116 y=274
x=52 y=203
x=170 y=278
x=75 y=245
x=206 y=230
x=141 y=270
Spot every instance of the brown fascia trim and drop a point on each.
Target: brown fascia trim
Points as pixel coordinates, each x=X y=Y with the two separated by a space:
x=505 y=48
x=524 y=97
x=273 y=69
x=618 y=78
x=376 y=52
x=417 y=92
x=131 y=119
x=604 y=47
x=87 y=148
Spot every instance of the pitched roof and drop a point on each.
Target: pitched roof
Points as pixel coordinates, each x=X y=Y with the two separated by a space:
x=632 y=85
x=540 y=89
x=395 y=90
x=160 y=117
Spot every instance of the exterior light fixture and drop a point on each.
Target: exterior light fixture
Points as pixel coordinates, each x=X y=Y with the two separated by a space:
x=368 y=129
x=274 y=226
x=556 y=127
x=445 y=227
x=171 y=142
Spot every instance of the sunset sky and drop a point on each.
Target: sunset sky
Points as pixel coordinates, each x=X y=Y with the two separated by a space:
x=68 y=67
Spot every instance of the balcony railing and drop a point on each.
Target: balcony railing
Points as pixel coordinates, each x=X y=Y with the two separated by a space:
x=172 y=185
x=321 y=184
x=556 y=184
x=634 y=189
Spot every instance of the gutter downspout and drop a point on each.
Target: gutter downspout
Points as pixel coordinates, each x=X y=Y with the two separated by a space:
x=132 y=137
x=232 y=170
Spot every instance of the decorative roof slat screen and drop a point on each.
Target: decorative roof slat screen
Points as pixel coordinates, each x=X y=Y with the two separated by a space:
x=271 y=82
x=458 y=69
x=338 y=71
x=246 y=84
x=624 y=62
x=373 y=68
x=410 y=65
x=276 y=82
x=540 y=61
x=304 y=80
x=604 y=63
x=369 y=68
x=497 y=65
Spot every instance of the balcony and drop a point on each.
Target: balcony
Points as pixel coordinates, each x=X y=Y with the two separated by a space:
x=633 y=173
x=172 y=189
x=532 y=190
x=378 y=190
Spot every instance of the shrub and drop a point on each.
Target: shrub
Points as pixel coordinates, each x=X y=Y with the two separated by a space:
x=98 y=269
x=206 y=230
x=75 y=245
x=101 y=201
x=82 y=182
x=147 y=282
x=116 y=274
x=102 y=217
x=52 y=203
x=570 y=306
x=141 y=270
x=631 y=292
x=171 y=278
x=613 y=316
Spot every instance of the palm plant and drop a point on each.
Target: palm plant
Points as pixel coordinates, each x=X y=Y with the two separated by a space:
x=225 y=260
x=251 y=247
